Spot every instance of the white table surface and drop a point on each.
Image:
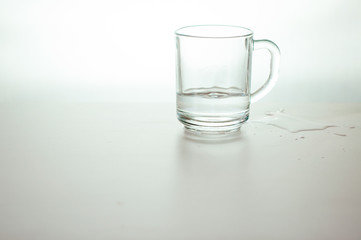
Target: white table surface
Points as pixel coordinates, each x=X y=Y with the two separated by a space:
x=128 y=171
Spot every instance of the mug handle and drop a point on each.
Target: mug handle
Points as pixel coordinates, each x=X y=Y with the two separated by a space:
x=274 y=68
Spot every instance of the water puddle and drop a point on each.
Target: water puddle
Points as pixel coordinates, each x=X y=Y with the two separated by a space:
x=291 y=123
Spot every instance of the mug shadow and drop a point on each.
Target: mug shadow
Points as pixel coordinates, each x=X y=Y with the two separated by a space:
x=212 y=138
x=211 y=172
x=193 y=148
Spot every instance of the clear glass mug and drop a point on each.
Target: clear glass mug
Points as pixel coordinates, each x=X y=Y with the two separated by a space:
x=213 y=74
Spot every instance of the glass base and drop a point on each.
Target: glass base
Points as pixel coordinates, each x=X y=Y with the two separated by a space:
x=212 y=124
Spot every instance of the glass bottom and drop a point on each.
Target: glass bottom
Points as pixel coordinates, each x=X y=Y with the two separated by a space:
x=205 y=124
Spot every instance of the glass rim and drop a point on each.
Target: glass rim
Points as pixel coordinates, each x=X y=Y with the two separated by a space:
x=248 y=34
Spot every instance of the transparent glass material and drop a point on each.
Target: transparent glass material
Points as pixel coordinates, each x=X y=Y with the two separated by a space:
x=213 y=71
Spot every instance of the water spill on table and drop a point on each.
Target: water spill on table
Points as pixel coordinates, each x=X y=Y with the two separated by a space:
x=291 y=123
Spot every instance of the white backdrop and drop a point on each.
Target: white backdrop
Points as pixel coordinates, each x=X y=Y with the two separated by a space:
x=107 y=50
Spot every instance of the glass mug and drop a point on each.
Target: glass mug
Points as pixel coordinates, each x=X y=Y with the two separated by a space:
x=213 y=76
